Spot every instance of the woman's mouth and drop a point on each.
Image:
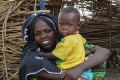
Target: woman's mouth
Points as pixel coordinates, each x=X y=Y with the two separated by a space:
x=45 y=42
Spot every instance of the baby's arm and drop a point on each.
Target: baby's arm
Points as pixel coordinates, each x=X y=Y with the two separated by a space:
x=48 y=55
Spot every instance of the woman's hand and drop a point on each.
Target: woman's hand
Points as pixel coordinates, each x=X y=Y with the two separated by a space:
x=72 y=74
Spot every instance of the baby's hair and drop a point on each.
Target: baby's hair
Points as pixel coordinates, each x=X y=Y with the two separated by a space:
x=71 y=9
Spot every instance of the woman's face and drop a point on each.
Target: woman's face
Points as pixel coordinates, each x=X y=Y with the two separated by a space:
x=44 y=35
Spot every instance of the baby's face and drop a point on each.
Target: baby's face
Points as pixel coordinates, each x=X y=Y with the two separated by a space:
x=67 y=23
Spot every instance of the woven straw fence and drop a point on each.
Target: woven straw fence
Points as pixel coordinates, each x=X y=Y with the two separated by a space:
x=101 y=31
x=12 y=16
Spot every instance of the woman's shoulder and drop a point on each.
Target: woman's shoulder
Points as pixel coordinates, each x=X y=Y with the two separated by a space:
x=28 y=48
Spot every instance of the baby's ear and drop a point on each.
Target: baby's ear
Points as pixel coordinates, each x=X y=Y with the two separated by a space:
x=77 y=32
x=78 y=26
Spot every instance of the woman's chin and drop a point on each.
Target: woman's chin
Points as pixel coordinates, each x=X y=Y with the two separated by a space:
x=47 y=46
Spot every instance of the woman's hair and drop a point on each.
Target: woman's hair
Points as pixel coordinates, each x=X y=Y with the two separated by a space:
x=29 y=24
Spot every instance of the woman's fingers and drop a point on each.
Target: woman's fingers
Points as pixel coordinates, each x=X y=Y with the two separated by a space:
x=62 y=76
x=68 y=78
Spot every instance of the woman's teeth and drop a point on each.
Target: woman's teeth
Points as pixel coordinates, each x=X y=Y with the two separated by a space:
x=45 y=42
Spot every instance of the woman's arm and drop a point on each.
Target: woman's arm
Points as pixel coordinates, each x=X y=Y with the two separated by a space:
x=100 y=55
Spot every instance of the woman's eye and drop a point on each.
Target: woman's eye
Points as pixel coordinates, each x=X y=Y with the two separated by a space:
x=48 y=31
x=38 y=33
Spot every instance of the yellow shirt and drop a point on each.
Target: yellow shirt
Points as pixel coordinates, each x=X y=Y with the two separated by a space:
x=70 y=50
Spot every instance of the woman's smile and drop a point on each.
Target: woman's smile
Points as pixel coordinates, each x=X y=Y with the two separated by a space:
x=45 y=42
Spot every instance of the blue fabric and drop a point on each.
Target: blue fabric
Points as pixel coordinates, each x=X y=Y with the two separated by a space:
x=87 y=75
x=42 y=4
x=32 y=63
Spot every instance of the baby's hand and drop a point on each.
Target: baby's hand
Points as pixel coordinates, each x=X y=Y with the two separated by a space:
x=42 y=54
x=48 y=55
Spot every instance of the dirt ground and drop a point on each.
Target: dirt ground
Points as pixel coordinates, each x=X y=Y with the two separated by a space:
x=113 y=74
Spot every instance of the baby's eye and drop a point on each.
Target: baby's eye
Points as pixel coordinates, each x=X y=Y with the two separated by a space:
x=69 y=24
x=59 y=24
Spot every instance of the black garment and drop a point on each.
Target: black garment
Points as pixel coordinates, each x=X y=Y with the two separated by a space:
x=32 y=63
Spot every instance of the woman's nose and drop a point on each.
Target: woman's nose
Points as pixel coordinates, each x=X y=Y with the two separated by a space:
x=43 y=35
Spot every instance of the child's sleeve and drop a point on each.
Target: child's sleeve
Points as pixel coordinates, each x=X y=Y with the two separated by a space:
x=63 y=48
x=84 y=40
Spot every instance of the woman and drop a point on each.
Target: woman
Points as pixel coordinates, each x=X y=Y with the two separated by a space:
x=40 y=32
